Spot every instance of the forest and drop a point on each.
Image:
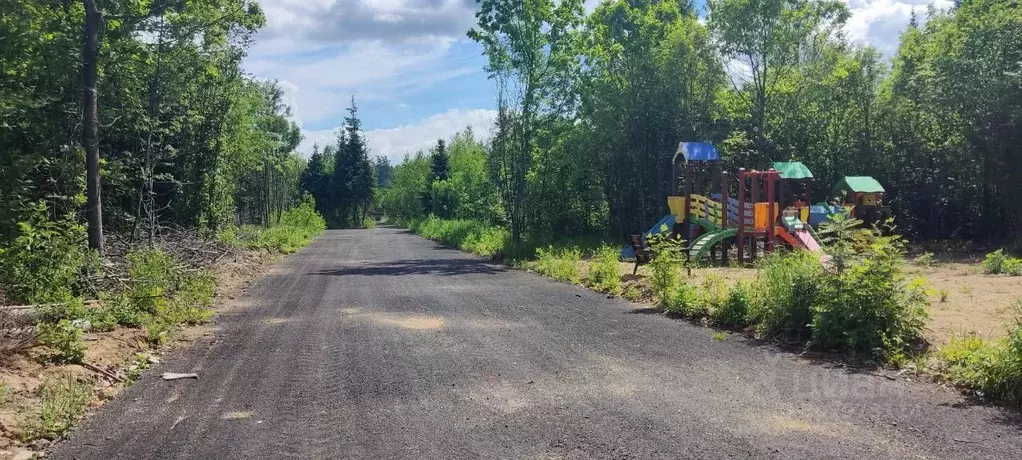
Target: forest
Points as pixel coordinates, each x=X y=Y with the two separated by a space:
x=592 y=108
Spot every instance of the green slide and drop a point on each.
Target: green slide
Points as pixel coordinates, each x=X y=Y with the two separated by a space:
x=702 y=245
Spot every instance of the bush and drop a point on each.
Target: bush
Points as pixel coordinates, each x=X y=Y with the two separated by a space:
x=296 y=229
x=869 y=306
x=44 y=261
x=925 y=259
x=734 y=311
x=993 y=263
x=368 y=223
x=998 y=263
x=604 y=271
x=665 y=265
x=632 y=293
x=788 y=286
x=64 y=402
x=993 y=368
x=683 y=299
x=468 y=235
x=64 y=340
x=561 y=265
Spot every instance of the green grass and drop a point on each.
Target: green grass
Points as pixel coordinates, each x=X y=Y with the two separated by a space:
x=64 y=401
x=604 y=271
x=296 y=229
x=560 y=264
x=999 y=263
x=992 y=368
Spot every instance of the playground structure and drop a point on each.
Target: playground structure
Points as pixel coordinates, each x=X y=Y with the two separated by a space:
x=772 y=208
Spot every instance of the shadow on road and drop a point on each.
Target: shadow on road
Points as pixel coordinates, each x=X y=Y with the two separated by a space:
x=452 y=267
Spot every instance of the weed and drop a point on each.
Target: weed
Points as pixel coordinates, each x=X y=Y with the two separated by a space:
x=297 y=227
x=632 y=293
x=993 y=263
x=925 y=259
x=665 y=265
x=789 y=286
x=604 y=272
x=64 y=341
x=714 y=293
x=869 y=306
x=719 y=336
x=561 y=265
x=734 y=311
x=993 y=368
x=683 y=299
x=944 y=294
x=6 y=393
x=368 y=223
x=139 y=364
x=63 y=403
x=43 y=262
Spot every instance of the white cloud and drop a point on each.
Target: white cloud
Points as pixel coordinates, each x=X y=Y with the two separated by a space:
x=396 y=142
x=881 y=22
x=353 y=20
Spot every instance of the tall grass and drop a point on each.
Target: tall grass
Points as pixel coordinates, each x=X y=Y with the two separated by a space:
x=560 y=264
x=604 y=271
x=297 y=227
x=993 y=368
x=788 y=285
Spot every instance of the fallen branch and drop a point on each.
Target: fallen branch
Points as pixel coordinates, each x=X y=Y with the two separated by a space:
x=105 y=373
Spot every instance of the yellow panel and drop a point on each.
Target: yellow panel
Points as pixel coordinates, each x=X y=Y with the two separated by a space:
x=677 y=205
x=760 y=212
x=805 y=214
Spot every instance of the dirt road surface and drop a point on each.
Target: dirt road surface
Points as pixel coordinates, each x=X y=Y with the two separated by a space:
x=380 y=344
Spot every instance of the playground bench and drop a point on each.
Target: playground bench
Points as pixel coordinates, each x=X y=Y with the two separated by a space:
x=642 y=252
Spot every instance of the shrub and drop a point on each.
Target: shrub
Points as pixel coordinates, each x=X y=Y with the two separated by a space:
x=296 y=229
x=1013 y=267
x=64 y=341
x=993 y=263
x=604 y=271
x=632 y=293
x=561 y=264
x=63 y=403
x=993 y=368
x=869 y=306
x=43 y=263
x=714 y=293
x=734 y=311
x=788 y=285
x=665 y=265
x=925 y=259
x=683 y=299
x=368 y=223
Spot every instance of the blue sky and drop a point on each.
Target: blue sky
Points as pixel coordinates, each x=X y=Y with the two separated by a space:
x=414 y=73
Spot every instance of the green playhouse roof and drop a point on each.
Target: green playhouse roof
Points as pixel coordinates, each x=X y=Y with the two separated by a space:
x=793 y=170
x=859 y=184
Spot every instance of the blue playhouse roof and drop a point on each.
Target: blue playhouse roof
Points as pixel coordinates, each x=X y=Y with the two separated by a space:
x=698 y=151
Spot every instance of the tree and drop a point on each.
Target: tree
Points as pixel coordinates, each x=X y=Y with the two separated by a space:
x=352 y=184
x=90 y=124
x=529 y=44
x=771 y=39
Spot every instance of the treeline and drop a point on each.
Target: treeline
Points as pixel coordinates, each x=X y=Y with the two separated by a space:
x=181 y=136
x=341 y=177
x=592 y=108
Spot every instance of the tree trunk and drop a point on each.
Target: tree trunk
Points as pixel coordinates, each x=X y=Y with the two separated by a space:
x=90 y=125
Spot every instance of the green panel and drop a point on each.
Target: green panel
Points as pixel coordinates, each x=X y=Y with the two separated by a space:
x=793 y=170
x=859 y=184
x=702 y=245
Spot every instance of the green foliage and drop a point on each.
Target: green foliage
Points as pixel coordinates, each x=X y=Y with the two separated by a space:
x=788 y=285
x=869 y=306
x=944 y=294
x=6 y=393
x=42 y=264
x=683 y=299
x=64 y=341
x=368 y=223
x=296 y=229
x=604 y=271
x=994 y=368
x=560 y=264
x=719 y=336
x=468 y=235
x=925 y=259
x=64 y=401
x=665 y=265
x=998 y=263
x=632 y=293
x=734 y=310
